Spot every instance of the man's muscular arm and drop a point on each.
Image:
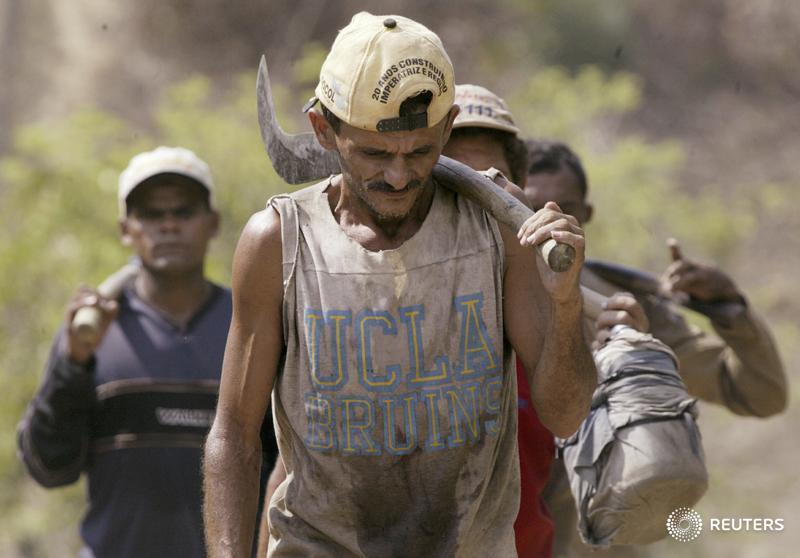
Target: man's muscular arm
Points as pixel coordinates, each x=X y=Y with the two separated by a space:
x=255 y=342
x=543 y=321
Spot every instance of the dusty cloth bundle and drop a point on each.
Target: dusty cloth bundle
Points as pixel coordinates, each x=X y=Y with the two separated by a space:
x=638 y=455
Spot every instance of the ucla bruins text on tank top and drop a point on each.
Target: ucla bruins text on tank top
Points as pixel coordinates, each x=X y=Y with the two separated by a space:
x=395 y=409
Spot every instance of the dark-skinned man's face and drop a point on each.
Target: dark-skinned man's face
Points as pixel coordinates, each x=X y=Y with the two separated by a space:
x=169 y=224
x=561 y=187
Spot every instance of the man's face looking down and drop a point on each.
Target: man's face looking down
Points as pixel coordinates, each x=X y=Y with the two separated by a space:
x=386 y=171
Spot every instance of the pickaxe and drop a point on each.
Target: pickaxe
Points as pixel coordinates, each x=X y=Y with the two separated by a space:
x=643 y=283
x=300 y=158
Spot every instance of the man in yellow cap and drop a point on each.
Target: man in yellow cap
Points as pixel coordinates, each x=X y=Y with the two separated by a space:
x=386 y=337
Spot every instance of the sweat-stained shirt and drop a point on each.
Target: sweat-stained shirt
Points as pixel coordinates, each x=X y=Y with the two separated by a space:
x=396 y=405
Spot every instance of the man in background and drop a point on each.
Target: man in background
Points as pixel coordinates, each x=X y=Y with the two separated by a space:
x=739 y=367
x=131 y=407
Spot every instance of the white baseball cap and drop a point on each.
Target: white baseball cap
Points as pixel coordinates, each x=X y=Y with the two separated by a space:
x=480 y=108
x=177 y=160
x=375 y=64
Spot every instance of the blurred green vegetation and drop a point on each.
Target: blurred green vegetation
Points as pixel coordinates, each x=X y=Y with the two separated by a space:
x=58 y=208
x=601 y=26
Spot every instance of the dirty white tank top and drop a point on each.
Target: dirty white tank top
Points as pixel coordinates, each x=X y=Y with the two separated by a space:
x=395 y=409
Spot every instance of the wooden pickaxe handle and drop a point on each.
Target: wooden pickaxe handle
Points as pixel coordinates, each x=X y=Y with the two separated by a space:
x=504 y=207
x=87 y=320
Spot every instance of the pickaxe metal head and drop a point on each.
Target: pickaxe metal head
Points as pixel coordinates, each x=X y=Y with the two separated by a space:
x=297 y=158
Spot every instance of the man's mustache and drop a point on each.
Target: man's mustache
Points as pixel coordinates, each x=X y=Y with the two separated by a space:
x=381 y=186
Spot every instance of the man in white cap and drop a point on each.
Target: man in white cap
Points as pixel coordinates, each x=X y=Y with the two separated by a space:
x=386 y=340
x=132 y=407
x=485 y=134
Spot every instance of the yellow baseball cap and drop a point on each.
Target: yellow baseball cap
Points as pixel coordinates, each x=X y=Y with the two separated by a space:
x=175 y=160
x=375 y=64
x=480 y=108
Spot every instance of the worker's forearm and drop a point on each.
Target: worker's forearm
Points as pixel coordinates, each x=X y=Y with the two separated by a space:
x=755 y=370
x=565 y=377
x=231 y=475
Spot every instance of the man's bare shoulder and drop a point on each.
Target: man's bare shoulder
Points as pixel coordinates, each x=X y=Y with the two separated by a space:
x=263 y=224
x=262 y=232
x=259 y=256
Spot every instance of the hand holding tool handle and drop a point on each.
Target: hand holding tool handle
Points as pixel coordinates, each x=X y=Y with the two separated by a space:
x=504 y=207
x=87 y=320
